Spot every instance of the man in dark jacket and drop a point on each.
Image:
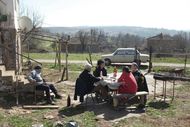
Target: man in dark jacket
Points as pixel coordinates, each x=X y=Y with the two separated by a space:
x=85 y=83
x=141 y=81
x=100 y=69
x=140 y=78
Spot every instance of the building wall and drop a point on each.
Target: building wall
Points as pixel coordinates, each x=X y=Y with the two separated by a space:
x=162 y=46
x=11 y=37
x=77 y=48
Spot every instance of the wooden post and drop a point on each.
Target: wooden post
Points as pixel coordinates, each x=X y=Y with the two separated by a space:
x=63 y=74
x=56 y=55
x=66 y=57
x=28 y=48
x=59 y=55
x=185 y=64
x=135 y=57
x=66 y=60
x=150 y=60
x=90 y=55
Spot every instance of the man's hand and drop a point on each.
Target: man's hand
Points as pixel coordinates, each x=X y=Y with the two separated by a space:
x=33 y=80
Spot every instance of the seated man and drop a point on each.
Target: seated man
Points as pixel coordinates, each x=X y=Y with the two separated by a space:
x=35 y=77
x=127 y=89
x=100 y=69
x=141 y=81
x=98 y=72
x=85 y=83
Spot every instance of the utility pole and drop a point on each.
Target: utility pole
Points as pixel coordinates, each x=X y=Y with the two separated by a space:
x=66 y=58
x=65 y=70
x=150 y=59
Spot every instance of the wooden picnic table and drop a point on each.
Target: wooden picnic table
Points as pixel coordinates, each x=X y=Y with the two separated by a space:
x=110 y=81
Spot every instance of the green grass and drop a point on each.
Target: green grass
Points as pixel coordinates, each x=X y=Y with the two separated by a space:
x=158 y=113
x=20 y=121
x=72 y=56
x=159 y=69
x=164 y=113
x=96 y=56
x=74 y=70
x=26 y=120
x=170 y=60
x=80 y=115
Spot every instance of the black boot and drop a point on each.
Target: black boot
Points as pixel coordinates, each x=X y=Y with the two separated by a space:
x=57 y=96
x=49 y=101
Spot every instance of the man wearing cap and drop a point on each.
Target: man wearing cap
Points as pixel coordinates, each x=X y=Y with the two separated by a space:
x=35 y=77
x=85 y=83
x=141 y=81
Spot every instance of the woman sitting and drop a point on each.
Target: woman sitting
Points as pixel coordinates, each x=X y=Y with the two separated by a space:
x=127 y=89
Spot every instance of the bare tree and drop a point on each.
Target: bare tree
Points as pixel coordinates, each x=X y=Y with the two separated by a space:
x=99 y=37
x=33 y=14
x=37 y=21
x=182 y=40
x=83 y=38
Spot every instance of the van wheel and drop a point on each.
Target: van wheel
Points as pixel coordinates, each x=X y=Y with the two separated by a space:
x=107 y=62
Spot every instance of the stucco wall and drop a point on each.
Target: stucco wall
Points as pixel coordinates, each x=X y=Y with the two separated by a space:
x=11 y=37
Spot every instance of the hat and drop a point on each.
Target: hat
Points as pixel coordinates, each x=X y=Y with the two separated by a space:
x=87 y=66
x=38 y=67
x=126 y=69
x=135 y=64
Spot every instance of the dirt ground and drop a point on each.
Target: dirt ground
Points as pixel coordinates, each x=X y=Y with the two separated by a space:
x=105 y=115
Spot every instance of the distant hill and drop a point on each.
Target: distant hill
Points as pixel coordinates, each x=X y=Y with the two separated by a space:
x=114 y=30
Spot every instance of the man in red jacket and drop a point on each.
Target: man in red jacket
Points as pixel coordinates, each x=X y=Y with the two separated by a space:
x=127 y=89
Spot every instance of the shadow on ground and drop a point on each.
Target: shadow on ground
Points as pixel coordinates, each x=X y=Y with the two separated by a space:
x=102 y=110
x=9 y=101
x=158 y=104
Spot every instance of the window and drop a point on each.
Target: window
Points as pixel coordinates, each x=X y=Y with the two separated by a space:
x=120 y=52
x=130 y=52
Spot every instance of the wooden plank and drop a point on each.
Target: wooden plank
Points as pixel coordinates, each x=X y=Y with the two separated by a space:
x=40 y=107
x=141 y=93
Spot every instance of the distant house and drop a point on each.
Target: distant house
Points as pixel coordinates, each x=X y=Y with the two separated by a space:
x=75 y=46
x=162 y=43
x=9 y=36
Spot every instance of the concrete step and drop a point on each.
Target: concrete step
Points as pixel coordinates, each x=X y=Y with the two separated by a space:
x=23 y=78
x=2 y=67
x=7 y=73
x=7 y=80
x=25 y=87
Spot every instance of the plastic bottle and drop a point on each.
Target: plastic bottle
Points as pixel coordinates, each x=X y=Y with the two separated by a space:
x=115 y=72
x=68 y=101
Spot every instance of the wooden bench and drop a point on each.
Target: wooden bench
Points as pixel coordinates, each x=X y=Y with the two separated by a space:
x=141 y=95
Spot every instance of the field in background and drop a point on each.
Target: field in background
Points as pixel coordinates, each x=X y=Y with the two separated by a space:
x=96 y=56
x=72 y=56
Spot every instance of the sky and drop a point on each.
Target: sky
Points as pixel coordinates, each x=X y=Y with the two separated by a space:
x=169 y=14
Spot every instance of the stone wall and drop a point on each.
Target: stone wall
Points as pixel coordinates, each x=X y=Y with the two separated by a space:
x=10 y=47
